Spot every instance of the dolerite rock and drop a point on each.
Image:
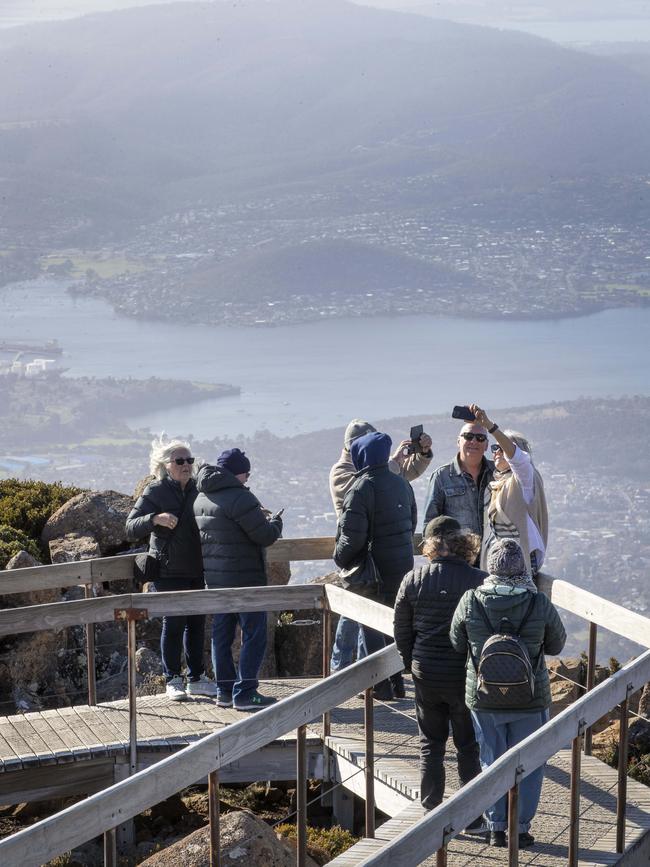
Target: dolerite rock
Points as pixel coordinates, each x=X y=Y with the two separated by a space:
x=245 y=841
x=71 y=548
x=147 y=662
x=141 y=485
x=100 y=515
x=299 y=645
x=22 y=560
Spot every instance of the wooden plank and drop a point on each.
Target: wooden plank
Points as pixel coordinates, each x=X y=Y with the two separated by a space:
x=28 y=733
x=365 y=611
x=84 y=735
x=45 y=839
x=273 y=598
x=315 y=548
x=118 y=568
x=11 y=757
x=77 y=749
x=57 y=615
x=52 y=577
x=594 y=608
x=56 y=781
x=50 y=736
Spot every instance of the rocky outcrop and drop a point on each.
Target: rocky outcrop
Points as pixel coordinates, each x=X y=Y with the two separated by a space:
x=245 y=840
x=72 y=547
x=141 y=485
x=22 y=560
x=99 y=515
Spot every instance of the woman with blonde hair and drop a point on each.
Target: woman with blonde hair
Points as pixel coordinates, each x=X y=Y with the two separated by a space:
x=165 y=513
x=517 y=506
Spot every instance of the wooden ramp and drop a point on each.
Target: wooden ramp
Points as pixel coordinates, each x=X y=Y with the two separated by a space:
x=397 y=794
x=82 y=749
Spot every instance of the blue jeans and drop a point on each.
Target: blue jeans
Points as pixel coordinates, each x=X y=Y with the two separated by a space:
x=346 y=641
x=243 y=682
x=182 y=633
x=496 y=732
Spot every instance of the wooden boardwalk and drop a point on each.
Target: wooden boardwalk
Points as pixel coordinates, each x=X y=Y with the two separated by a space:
x=84 y=749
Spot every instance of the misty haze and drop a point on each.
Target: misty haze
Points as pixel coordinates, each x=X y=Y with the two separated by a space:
x=246 y=223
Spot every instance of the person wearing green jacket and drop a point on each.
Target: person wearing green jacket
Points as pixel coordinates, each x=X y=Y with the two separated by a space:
x=506 y=593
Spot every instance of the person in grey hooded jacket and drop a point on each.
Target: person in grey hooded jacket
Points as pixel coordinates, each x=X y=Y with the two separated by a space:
x=234 y=530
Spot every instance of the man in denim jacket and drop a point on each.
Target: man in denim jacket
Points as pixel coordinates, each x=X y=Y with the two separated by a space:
x=459 y=489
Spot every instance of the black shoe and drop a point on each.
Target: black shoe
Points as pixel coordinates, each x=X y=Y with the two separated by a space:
x=478 y=826
x=383 y=691
x=397 y=682
x=498 y=839
x=525 y=840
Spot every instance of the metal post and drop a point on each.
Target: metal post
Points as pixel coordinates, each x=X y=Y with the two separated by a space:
x=621 y=796
x=327 y=652
x=591 y=676
x=574 y=821
x=301 y=795
x=513 y=825
x=213 y=803
x=369 y=726
x=90 y=653
x=133 y=731
x=110 y=848
x=441 y=857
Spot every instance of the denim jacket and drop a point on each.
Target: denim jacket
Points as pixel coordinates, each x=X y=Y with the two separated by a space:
x=455 y=493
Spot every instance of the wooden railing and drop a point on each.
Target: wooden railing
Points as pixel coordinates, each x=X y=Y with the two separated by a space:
x=102 y=812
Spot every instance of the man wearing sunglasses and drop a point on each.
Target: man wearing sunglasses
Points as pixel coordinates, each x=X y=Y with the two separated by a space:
x=459 y=489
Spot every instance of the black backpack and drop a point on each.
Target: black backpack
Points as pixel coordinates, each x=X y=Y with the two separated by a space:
x=505 y=675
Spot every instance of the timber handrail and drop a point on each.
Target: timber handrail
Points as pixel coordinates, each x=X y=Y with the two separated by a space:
x=103 y=811
x=435 y=829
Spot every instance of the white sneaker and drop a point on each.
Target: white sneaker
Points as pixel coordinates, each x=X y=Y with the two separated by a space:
x=175 y=689
x=202 y=686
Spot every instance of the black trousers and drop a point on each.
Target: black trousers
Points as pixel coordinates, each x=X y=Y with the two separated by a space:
x=435 y=710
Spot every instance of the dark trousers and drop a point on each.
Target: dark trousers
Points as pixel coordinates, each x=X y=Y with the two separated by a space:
x=241 y=681
x=182 y=633
x=435 y=710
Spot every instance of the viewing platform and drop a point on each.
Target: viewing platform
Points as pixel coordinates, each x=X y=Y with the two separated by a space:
x=130 y=754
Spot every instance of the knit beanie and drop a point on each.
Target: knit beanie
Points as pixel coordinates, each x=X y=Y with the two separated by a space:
x=505 y=558
x=357 y=428
x=235 y=461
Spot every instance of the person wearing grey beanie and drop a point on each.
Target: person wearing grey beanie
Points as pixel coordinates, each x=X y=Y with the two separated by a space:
x=507 y=603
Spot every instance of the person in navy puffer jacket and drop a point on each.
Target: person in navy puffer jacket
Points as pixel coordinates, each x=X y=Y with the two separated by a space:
x=385 y=501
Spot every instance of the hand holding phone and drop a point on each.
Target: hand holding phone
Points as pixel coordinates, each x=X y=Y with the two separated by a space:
x=464 y=413
x=278 y=514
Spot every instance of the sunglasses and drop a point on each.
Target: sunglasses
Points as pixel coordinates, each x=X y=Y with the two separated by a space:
x=480 y=438
x=180 y=461
x=495 y=447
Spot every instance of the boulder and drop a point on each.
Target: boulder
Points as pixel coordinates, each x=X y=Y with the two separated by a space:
x=299 y=645
x=100 y=515
x=147 y=662
x=22 y=560
x=141 y=485
x=245 y=840
x=72 y=547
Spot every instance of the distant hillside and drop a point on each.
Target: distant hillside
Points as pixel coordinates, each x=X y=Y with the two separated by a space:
x=123 y=115
x=319 y=268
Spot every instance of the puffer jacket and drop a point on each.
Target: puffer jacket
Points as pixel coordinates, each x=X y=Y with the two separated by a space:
x=544 y=632
x=178 y=550
x=233 y=530
x=384 y=499
x=425 y=604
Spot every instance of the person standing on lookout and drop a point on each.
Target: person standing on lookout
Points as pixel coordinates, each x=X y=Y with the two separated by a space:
x=404 y=462
x=459 y=489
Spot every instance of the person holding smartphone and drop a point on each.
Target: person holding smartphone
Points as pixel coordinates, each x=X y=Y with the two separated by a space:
x=460 y=489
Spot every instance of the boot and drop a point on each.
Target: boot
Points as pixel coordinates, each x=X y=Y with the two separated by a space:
x=397 y=682
x=383 y=691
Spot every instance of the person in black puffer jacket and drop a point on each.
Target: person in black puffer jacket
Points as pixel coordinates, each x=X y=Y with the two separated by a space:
x=234 y=531
x=379 y=504
x=165 y=513
x=425 y=605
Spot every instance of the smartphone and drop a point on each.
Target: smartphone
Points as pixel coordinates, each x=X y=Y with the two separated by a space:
x=279 y=514
x=463 y=412
x=416 y=432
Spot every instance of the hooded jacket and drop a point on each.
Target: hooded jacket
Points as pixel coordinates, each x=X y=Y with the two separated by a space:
x=233 y=530
x=543 y=633
x=384 y=500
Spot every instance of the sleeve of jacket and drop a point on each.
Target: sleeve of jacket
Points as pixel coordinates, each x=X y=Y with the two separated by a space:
x=352 y=530
x=554 y=633
x=415 y=465
x=458 y=628
x=247 y=512
x=140 y=520
x=403 y=622
x=340 y=484
x=414 y=510
x=435 y=499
